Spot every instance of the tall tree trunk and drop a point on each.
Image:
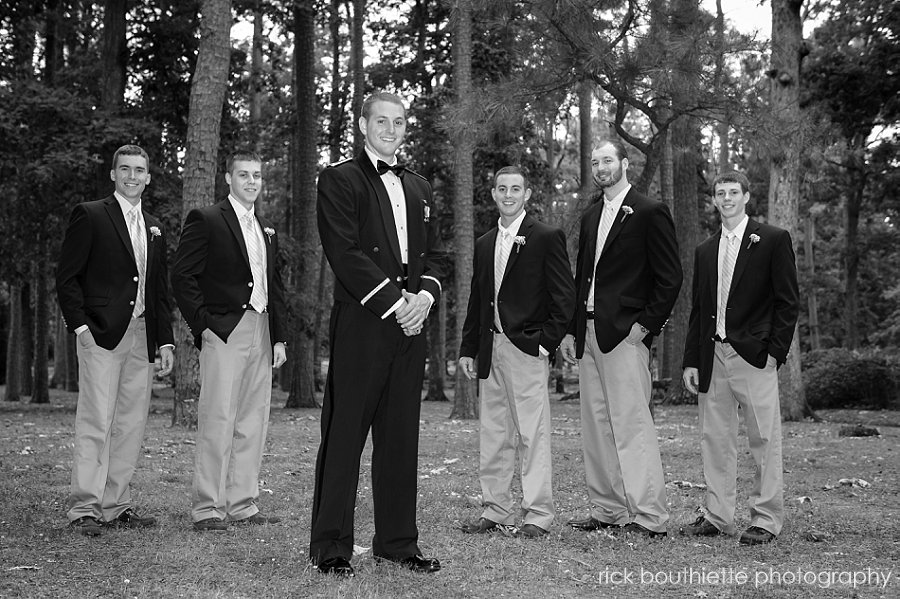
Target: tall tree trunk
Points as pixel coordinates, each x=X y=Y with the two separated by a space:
x=14 y=345
x=114 y=57
x=338 y=96
x=585 y=134
x=256 y=64
x=852 y=207
x=58 y=380
x=812 y=302
x=465 y=397
x=303 y=226
x=40 y=392
x=26 y=345
x=784 y=181
x=357 y=53
x=201 y=158
x=437 y=360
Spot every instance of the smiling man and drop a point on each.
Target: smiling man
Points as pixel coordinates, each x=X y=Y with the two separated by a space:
x=521 y=302
x=381 y=239
x=628 y=276
x=743 y=314
x=229 y=290
x=111 y=285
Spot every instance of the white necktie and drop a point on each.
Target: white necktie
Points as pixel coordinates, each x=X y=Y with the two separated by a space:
x=504 y=244
x=606 y=222
x=138 y=243
x=256 y=256
x=725 y=282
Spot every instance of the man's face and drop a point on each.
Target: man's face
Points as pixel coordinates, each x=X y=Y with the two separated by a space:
x=384 y=129
x=730 y=200
x=608 y=169
x=245 y=181
x=131 y=176
x=510 y=195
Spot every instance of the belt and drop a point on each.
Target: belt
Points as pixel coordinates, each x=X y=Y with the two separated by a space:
x=252 y=309
x=589 y=314
x=718 y=339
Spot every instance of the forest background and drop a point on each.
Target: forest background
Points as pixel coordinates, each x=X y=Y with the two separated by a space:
x=811 y=116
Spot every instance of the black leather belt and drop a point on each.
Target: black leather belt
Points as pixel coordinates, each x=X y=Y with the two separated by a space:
x=718 y=339
x=589 y=314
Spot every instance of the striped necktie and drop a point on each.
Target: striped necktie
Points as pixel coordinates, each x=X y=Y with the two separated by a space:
x=504 y=244
x=139 y=244
x=257 y=257
x=725 y=282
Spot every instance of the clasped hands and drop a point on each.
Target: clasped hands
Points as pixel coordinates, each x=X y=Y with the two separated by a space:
x=412 y=312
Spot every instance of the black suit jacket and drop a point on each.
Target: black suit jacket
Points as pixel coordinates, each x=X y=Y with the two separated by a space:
x=97 y=276
x=763 y=302
x=638 y=275
x=536 y=299
x=358 y=233
x=211 y=275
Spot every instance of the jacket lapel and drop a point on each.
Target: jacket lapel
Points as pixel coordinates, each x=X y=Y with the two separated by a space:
x=262 y=223
x=710 y=259
x=744 y=252
x=231 y=220
x=384 y=202
x=118 y=221
x=488 y=250
x=619 y=220
x=591 y=224
x=523 y=231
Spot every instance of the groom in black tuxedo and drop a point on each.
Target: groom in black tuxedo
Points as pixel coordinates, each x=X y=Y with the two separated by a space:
x=380 y=238
x=520 y=305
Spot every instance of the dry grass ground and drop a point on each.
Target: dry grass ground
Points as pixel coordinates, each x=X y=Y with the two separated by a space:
x=859 y=528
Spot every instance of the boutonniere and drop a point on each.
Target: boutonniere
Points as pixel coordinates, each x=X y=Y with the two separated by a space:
x=427 y=210
x=627 y=210
x=269 y=231
x=754 y=238
x=154 y=232
x=519 y=240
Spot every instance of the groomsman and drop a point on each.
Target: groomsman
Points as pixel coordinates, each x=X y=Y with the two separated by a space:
x=381 y=240
x=744 y=311
x=520 y=305
x=111 y=286
x=627 y=276
x=229 y=290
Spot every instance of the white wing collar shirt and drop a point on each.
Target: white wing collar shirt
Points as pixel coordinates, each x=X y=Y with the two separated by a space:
x=256 y=253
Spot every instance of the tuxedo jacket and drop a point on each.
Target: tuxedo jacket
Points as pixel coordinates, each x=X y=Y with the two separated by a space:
x=359 y=236
x=763 y=303
x=97 y=276
x=638 y=275
x=211 y=275
x=536 y=298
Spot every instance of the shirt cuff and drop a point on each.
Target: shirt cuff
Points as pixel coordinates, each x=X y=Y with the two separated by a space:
x=169 y=345
x=429 y=296
x=81 y=329
x=543 y=351
x=393 y=308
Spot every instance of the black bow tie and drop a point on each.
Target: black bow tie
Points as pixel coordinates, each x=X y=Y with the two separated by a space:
x=384 y=167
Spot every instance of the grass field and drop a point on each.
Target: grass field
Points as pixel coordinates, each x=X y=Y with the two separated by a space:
x=858 y=528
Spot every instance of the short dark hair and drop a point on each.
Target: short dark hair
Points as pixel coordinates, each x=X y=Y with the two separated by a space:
x=381 y=96
x=130 y=150
x=248 y=155
x=618 y=146
x=732 y=177
x=513 y=170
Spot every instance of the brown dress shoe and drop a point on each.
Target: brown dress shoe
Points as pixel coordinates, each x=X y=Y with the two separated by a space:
x=531 y=531
x=701 y=527
x=756 y=536
x=482 y=526
x=590 y=523
x=131 y=519
x=87 y=525
x=258 y=518
x=211 y=525
x=636 y=529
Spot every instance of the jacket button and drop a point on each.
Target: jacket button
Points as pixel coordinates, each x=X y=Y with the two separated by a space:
x=375 y=249
x=250 y=284
x=244 y=306
x=399 y=279
x=130 y=303
x=422 y=255
x=135 y=279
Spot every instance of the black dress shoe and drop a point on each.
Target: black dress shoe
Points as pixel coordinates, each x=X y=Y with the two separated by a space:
x=131 y=519
x=339 y=566
x=531 y=531
x=87 y=525
x=756 y=536
x=701 y=527
x=211 y=525
x=590 y=523
x=636 y=529
x=482 y=526
x=416 y=563
x=258 y=518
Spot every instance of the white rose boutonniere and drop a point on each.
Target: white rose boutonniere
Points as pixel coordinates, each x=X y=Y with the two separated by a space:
x=628 y=210
x=754 y=238
x=269 y=231
x=154 y=232
x=519 y=240
x=426 y=209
